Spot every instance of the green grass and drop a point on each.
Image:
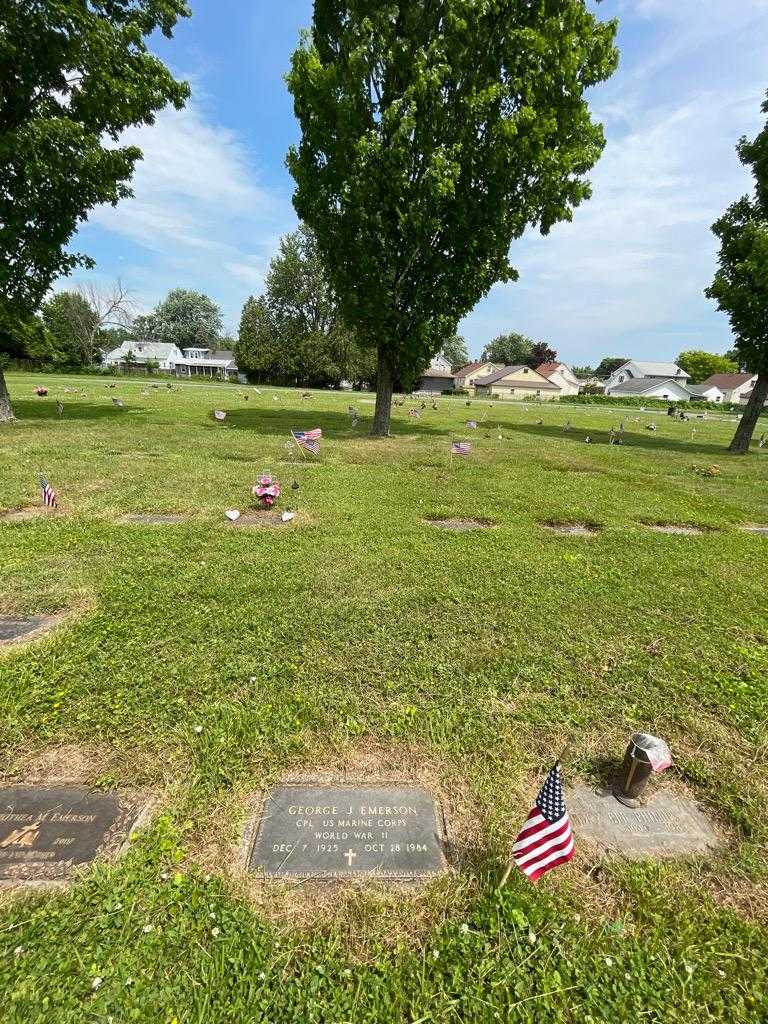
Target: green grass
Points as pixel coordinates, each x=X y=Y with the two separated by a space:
x=470 y=656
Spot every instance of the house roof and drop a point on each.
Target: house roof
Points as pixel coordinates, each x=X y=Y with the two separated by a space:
x=471 y=367
x=547 y=369
x=149 y=350
x=435 y=371
x=657 y=369
x=701 y=389
x=639 y=385
x=543 y=383
x=728 y=381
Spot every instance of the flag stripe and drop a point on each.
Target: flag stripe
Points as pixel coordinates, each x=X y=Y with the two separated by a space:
x=553 y=840
x=534 y=871
x=541 y=836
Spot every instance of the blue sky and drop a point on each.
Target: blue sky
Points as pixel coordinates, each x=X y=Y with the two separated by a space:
x=212 y=195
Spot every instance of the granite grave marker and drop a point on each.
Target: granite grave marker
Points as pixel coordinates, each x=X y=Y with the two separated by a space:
x=12 y=628
x=667 y=826
x=343 y=832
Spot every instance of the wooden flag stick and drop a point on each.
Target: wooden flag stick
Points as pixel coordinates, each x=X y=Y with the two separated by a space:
x=505 y=876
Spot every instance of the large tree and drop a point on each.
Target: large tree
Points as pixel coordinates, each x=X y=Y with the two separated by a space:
x=740 y=287
x=293 y=333
x=511 y=349
x=540 y=353
x=699 y=364
x=185 y=318
x=433 y=133
x=74 y=75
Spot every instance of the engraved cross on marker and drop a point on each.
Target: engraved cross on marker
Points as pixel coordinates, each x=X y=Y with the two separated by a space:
x=350 y=854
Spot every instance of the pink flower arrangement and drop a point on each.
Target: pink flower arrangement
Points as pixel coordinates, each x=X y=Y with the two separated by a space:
x=41 y=392
x=267 y=490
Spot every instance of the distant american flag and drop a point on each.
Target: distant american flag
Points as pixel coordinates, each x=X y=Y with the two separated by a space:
x=472 y=424
x=309 y=439
x=460 y=448
x=49 y=495
x=545 y=840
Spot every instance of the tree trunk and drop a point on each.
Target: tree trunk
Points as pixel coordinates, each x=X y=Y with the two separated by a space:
x=6 y=412
x=384 y=383
x=741 y=439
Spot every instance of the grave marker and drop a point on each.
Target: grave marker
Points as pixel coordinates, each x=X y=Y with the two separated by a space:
x=342 y=832
x=667 y=826
x=48 y=831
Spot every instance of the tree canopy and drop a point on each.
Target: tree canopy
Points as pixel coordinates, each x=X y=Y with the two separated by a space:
x=184 y=318
x=606 y=366
x=700 y=365
x=511 y=349
x=540 y=353
x=294 y=333
x=74 y=76
x=740 y=287
x=432 y=136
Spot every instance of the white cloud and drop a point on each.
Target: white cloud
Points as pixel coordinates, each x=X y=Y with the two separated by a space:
x=628 y=274
x=198 y=214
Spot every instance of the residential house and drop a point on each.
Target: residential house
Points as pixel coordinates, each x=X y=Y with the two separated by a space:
x=734 y=387
x=745 y=397
x=665 y=388
x=562 y=375
x=634 y=369
x=517 y=382
x=468 y=375
x=437 y=377
x=206 y=362
x=137 y=354
x=706 y=393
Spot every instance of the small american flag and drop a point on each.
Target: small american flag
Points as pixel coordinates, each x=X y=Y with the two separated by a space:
x=309 y=439
x=472 y=424
x=219 y=415
x=545 y=840
x=49 y=495
x=460 y=448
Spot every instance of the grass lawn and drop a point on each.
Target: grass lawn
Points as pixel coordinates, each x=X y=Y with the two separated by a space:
x=361 y=640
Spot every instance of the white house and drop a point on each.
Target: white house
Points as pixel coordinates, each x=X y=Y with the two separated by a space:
x=562 y=375
x=437 y=377
x=734 y=387
x=634 y=369
x=473 y=373
x=165 y=355
x=666 y=388
x=205 y=362
x=706 y=393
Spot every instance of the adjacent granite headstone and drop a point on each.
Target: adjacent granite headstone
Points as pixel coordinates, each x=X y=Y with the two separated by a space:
x=667 y=826
x=48 y=831
x=344 y=832
x=17 y=628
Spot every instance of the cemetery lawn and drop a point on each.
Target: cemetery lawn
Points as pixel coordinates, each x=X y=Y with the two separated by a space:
x=361 y=638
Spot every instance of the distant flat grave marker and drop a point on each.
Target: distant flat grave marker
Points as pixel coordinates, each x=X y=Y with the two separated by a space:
x=48 y=831
x=761 y=530
x=459 y=524
x=668 y=826
x=685 y=529
x=572 y=529
x=15 y=628
x=154 y=518
x=349 y=832
x=264 y=517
